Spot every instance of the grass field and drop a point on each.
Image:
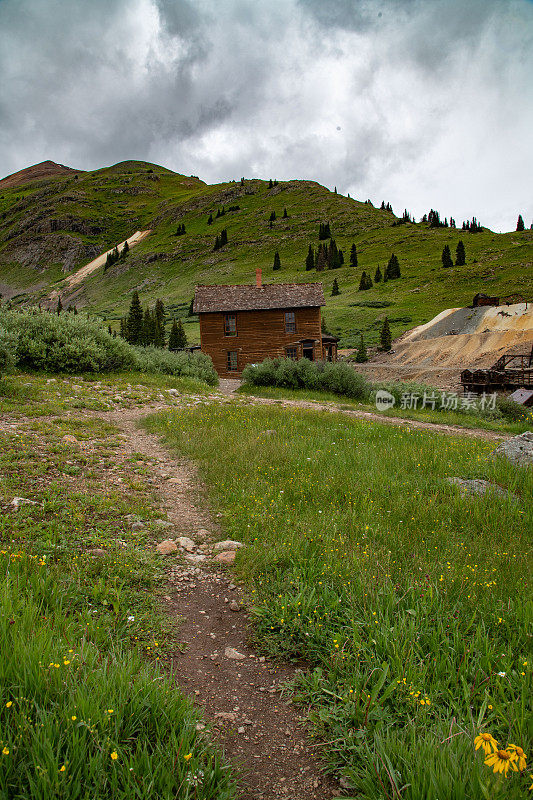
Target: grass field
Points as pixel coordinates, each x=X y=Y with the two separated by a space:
x=87 y=708
x=411 y=605
x=110 y=204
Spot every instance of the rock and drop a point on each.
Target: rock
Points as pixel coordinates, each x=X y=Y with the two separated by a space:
x=234 y=606
x=202 y=534
x=478 y=487
x=186 y=544
x=17 y=502
x=174 y=480
x=226 y=557
x=166 y=547
x=230 y=652
x=68 y=439
x=196 y=558
x=173 y=392
x=97 y=552
x=518 y=450
x=200 y=726
x=162 y=523
x=227 y=544
x=241 y=729
x=227 y=716
x=137 y=526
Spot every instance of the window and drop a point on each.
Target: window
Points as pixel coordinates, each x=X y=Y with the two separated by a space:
x=230 y=325
x=290 y=322
x=291 y=352
x=233 y=361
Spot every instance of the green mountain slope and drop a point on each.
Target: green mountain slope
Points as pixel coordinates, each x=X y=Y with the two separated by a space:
x=49 y=227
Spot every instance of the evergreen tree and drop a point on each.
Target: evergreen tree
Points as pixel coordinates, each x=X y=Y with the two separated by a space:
x=324 y=231
x=392 y=270
x=210 y=219
x=148 y=328
x=134 y=322
x=333 y=255
x=285 y=215
x=190 y=311
x=460 y=254
x=277 y=261
x=125 y=250
x=361 y=356
x=365 y=282
x=217 y=243
x=353 y=256
x=270 y=184
x=59 y=307
x=378 y=276
x=177 y=339
x=310 y=259
x=321 y=258
x=335 y=288
x=520 y=224
x=272 y=216
x=446 y=257
x=335 y=190
x=110 y=332
x=123 y=327
x=385 y=336
x=223 y=237
x=159 y=324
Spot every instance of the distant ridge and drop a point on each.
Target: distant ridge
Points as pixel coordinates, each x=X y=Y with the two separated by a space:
x=46 y=169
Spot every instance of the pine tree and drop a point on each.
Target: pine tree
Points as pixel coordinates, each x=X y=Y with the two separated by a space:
x=177 y=339
x=125 y=250
x=446 y=257
x=272 y=216
x=378 y=276
x=353 y=256
x=324 y=231
x=223 y=237
x=134 y=322
x=333 y=255
x=385 y=336
x=361 y=356
x=310 y=259
x=123 y=327
x=321 y=258
x=217 y=243
x=285 y=215
x=270 y=184
x=147 y=328
x=59 y=307
x=460 y=254
x=159 y=324
x=392 y=270
x=335 y=190
x=335 y=288
x=520 y=223
x=277 y=261
x=365 y=282
x=110 y=332
x=210 y=219
x=190 y=311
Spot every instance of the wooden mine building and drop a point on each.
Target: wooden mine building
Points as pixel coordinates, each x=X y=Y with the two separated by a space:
x=245 y=324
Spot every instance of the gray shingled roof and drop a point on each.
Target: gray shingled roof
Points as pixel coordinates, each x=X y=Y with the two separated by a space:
x=254 y=298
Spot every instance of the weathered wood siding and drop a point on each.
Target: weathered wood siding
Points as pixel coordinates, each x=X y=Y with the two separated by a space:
x=260 y=335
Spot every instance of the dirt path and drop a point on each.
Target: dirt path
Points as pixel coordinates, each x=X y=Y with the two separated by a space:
x=259 y=730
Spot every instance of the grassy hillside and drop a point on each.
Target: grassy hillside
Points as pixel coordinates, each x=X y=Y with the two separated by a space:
x=50 y=227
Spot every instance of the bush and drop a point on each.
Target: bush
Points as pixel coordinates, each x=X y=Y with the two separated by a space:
x=7 y=348
x=337 y=378
x=189 y=365
x=64 y=343
x=512 y=411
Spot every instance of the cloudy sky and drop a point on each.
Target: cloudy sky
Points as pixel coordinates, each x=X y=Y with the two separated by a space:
x=423 y=103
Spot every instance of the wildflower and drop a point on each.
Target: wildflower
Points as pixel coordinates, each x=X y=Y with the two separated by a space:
x=109 y=710
x=487 y=742
x=5 y=751
x=517 y=754
x=114 y=755
x=74 y=718
x=501 y=760
x=9 y=703
x=502 y=674
x=63 y=768
x=188 y=757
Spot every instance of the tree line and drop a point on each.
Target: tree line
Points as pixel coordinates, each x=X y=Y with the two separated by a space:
x=147 y=326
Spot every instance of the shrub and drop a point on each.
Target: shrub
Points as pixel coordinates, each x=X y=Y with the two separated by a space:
x=7 y=347
x=511 y=410
x=337 y=378
x=189 y=365
x=65 y=343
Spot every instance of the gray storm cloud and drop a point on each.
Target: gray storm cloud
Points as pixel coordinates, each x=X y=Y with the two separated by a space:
x=423 y=104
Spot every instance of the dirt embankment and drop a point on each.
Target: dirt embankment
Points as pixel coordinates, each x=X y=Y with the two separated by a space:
x=456 y=339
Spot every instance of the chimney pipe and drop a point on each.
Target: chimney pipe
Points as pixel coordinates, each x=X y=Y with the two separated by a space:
x=258 y=281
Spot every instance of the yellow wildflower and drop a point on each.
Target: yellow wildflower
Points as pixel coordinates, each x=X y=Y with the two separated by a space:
x=63 y=768
x=188 y=757
x=114 y=756
x=74 y=718
x=9 y=703
x=501 y=760
x=5 y=751
x=517 y=754
x=487 y=742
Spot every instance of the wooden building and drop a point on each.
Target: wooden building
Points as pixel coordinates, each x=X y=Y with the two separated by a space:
x=245 y=324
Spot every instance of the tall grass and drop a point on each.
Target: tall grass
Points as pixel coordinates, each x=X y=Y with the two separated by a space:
x=412 y=605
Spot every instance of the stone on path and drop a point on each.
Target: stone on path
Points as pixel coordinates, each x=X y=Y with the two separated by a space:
x=226 y=557
x=166 y=547
x=518 y=450
x=230 y=652
x=186 y=543
x=202 y=533
x=234 y=606
x=228 y=544
x=17 y=502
